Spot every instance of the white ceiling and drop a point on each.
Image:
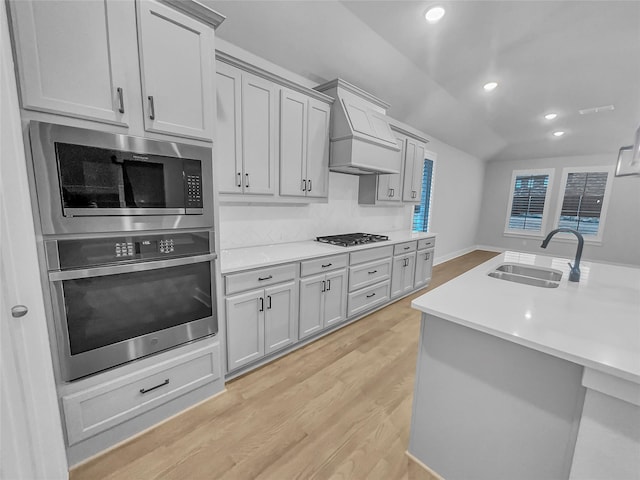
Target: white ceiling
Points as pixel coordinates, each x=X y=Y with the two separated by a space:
x=559 y=56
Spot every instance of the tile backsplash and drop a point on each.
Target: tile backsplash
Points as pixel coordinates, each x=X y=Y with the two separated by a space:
x=243 y=226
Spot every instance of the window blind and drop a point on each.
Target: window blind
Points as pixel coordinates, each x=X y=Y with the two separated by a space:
x=421 y=211
x=582 y=201
x=527 y=203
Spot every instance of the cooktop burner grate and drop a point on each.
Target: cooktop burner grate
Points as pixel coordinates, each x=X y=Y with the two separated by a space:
x=351 y=239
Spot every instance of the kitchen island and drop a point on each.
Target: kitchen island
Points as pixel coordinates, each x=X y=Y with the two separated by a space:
x=521 y=381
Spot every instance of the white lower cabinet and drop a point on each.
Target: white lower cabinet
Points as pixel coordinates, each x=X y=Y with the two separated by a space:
x=260 y=322
x=424 y=266
x=101 y=407
x=323 y=301
x=402 y=276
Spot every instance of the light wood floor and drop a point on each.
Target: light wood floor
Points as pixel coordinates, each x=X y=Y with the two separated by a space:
x=338 y=408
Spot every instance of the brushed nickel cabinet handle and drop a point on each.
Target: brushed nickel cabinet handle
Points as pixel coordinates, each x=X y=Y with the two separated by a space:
x=18 y=311
x=269 y=306
x=310 y=186
x=261 y=302
x=239 y=179
x=246 y=178
x=327 y=265
x=324 y=286
x=120 y=100
x=265 y=278
x=147 y=390
x=372 y=295
x=371 y=273
x=152 y=108
x=328 y=285
x=304 y=185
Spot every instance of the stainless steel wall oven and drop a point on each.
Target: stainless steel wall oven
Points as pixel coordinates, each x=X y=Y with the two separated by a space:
x=127 y=229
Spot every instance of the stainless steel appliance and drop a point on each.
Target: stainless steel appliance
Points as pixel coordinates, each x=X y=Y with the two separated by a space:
x=118 y=298
x=351 y=239
x=92 y=181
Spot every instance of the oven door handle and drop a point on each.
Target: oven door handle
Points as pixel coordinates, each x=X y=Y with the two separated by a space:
x=128 y=268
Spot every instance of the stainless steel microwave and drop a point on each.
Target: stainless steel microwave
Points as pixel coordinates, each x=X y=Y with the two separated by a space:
x=91 y=181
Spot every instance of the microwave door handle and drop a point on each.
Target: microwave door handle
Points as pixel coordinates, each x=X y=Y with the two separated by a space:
x=128 y=268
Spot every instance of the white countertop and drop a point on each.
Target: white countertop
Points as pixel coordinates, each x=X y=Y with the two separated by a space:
x=236 y=259
x=595 y=323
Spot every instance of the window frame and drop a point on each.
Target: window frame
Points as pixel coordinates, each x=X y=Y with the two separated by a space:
x=433 y=157
x=515 y=232
x=590 y=239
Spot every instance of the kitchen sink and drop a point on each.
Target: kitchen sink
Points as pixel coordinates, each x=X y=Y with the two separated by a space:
x=528 y=275
x=529 y=271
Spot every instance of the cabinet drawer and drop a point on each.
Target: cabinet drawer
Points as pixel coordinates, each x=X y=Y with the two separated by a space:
x=405 y=247
x=239 y=282
x=368 y=298
x=324 y=264
x=370 y=254
x=426 y=243
x=364 y=275
x=101 y=407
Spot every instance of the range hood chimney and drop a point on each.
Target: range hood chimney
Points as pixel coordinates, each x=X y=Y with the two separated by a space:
x=361 y=139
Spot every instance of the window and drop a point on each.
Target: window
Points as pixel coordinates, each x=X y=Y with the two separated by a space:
x=529 y=202
x=421 y=212
x=584 y=198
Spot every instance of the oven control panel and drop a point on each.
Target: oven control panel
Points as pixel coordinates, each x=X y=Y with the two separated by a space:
x=87 y=252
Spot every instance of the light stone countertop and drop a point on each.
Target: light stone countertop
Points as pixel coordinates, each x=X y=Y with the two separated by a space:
x=594 y=323
x=246 y=258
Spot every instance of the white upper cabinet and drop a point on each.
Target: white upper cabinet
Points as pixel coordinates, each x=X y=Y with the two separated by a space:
x=304 y=145
x=77 y=58
x=390 y=186
x=414 y=161
x=176 y=65
x=246 y=129
x=259 y=134
x=272 y=136
x=229 y=129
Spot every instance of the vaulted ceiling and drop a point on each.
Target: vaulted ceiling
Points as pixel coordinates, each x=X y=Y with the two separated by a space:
x=547 y=56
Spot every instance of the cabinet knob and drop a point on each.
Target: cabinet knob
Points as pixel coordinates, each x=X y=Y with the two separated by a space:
x=18 y=311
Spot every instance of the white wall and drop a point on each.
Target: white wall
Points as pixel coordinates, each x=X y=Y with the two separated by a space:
x=621 y=236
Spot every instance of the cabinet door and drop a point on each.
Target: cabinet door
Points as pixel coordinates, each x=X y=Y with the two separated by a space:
x=390 y=186
x=409 y=166
x=258 y=134
x=311 y=305
x=293 y=143
x=408 y=273
x=424 y=263
x=228 y=143
x=176 y=55
x=318 y=149
x=245 y=328
x=335 y=297
x=418 y=168
x=279 y=316
x=77 y=58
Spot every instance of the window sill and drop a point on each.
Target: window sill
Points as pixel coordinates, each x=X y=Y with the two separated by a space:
x=515 y=234
x=564 y=238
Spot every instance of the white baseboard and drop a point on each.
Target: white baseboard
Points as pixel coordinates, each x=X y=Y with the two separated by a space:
x=490 y=248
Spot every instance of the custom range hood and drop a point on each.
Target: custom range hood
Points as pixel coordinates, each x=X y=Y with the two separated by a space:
x=361 y=140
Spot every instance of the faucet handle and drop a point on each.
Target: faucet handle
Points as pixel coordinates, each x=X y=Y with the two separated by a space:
x=570 y=266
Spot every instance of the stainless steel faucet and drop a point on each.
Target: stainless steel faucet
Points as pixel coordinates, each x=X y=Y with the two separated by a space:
x=574 y=275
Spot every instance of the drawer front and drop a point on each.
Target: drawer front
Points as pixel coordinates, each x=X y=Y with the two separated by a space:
x=426 y=243
x=239 y=282
x=406 y=247
x=368 y=298
x=324 y=264
x=370 y=254
x=364 y=275
x=99 y=408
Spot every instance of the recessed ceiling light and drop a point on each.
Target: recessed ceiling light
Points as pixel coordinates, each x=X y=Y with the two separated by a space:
x=550 y=116
x=490 y=86
x=434 y=14
x=559 y=133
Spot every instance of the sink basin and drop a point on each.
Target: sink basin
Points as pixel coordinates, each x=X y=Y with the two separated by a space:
x=529 y=271
x=528 y=275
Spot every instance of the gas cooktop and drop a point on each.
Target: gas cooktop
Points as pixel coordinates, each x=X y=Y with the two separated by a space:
x=351 y=239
